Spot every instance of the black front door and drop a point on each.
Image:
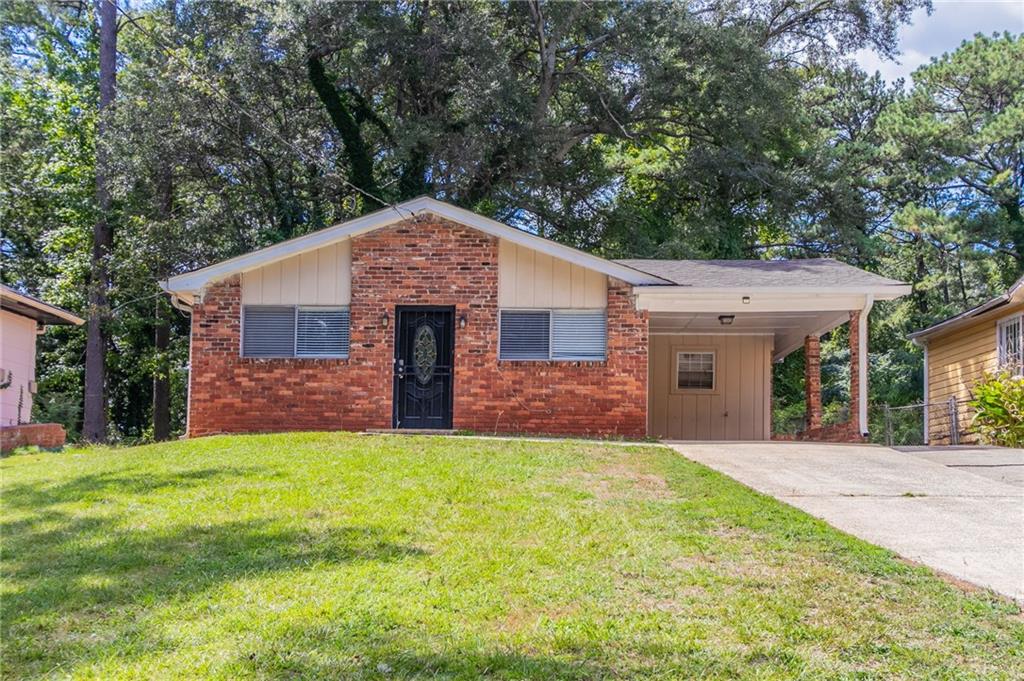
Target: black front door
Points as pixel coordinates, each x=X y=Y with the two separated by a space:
x=424 y=353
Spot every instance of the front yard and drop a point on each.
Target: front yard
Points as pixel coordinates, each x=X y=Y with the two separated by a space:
x=347 y=556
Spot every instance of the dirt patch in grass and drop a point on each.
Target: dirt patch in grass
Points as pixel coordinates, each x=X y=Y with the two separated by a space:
x=620 y=480
x=524 y=618
x=689 y=563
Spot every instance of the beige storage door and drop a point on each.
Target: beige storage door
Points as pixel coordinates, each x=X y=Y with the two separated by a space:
x=738 y=407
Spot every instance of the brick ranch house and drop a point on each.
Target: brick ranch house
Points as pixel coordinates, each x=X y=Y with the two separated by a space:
x=428 y=316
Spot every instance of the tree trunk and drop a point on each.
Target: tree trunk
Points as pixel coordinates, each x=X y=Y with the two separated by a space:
x=94 y=427
x=922 y=272
x=1016 y=231
x=359 y=159
x=161 y=324
x=161 y=374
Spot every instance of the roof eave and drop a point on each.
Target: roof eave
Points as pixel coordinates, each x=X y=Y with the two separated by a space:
x=881 y=292
x=43 y=312
x=963 y=318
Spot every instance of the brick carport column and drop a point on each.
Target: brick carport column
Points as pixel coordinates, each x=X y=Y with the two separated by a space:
x=812 y=381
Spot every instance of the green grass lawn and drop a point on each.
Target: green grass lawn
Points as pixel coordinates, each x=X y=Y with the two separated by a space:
x=346 y=556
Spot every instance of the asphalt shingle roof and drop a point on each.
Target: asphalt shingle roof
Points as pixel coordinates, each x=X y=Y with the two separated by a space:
x=810 y=273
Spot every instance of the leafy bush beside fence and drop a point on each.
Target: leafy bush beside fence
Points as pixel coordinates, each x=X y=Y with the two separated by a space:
x=998 y=401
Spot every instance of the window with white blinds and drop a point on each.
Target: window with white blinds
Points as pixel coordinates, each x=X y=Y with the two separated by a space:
x=1011 y=345
x=578 y=334
x=695 y=370
x=268 y=331
x=553 y=334
x=524 y=334
x=290 y=331
x=322 y=332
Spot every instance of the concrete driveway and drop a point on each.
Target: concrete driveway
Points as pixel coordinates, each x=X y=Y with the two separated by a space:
x=931 y=508
x=998 y=463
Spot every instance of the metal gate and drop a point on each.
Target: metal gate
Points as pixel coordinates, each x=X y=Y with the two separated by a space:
x=948 y=423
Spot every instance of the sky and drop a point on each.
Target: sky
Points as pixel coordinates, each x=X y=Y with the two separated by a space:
x=951 y=22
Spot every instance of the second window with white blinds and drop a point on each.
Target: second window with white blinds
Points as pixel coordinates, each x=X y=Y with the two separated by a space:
x=580 y=335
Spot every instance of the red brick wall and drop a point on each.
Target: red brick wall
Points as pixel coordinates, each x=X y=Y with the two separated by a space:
x=812 y=381
x=45 y=435
x=424 y=261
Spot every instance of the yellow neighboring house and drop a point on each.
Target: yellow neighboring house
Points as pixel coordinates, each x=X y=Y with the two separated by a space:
x=959 y=351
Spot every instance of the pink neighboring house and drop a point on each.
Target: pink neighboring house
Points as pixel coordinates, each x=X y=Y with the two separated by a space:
x=22 y=318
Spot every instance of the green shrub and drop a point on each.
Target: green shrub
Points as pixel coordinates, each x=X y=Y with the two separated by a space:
x=62 y=408
x=998 y=403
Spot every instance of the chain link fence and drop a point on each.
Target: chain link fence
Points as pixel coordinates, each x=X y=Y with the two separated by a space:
x=948 y=423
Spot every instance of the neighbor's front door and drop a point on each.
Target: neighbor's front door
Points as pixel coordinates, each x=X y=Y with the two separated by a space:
x=424 y=354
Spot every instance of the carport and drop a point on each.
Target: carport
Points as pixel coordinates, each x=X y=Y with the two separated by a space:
x=715 y=333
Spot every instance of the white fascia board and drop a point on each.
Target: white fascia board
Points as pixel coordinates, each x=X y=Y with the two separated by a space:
x=880 y=292
x=764 y=301
x=36 y=304
x=1014 y=294
x=193 y=282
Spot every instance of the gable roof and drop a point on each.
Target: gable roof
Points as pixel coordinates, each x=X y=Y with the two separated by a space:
x=816 y=273
x=193 y=282
x=965 y=318
x=33 y=308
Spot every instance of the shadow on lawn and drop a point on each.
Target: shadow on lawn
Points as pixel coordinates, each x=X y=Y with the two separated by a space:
x=33 y=496
x=375 y=647
x=94 y=575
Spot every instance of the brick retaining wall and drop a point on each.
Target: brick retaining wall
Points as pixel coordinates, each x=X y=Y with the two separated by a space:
x=45 y=435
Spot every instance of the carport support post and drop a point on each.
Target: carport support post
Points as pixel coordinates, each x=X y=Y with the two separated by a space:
x=859 y=367
x=812 y=382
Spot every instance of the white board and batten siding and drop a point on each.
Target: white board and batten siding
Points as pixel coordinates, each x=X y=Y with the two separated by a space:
x=738 y=408
x=529 y=279
x=318 y=277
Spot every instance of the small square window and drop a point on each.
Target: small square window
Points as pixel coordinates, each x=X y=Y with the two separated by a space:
x=695 y=370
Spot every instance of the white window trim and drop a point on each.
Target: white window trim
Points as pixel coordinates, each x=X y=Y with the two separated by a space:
x=551 y=333
x=1000 y=325
x=295 y=335
x=678 y=350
